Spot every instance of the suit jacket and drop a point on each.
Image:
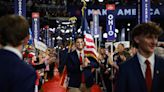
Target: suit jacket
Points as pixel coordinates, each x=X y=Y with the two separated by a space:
x=15 y=74
x=130 y=77
x=62 y=59
x=74 y=72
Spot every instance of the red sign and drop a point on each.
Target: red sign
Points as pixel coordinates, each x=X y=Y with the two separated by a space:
x=35 y=15
x=110 y=7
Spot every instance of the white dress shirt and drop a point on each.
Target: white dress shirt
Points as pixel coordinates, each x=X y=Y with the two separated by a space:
x=82 y=54
x=142 y=60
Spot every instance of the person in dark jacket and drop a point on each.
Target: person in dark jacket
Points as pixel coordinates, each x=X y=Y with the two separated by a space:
x=80 y=68
x=16 y=75
x=144 y=71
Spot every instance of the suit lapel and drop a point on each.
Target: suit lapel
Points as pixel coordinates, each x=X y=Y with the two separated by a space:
x=138 y=73
x=156 y=73
x=75 y=58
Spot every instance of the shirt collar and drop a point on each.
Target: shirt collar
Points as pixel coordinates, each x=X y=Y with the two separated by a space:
x=142 y=59
x=79 y=51
x=14 y=50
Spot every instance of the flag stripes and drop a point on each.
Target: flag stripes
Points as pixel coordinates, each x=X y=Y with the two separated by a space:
x=90 y=48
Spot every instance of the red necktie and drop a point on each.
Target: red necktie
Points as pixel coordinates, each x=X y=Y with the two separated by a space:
x=148 y=76
x=81 y=60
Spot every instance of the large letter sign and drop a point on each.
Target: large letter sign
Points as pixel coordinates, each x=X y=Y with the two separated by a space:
x=110 y=25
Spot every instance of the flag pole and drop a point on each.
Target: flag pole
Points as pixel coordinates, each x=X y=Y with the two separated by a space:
x=84 y=7
x=83 y=14
x=112 y=68
x=83 y=11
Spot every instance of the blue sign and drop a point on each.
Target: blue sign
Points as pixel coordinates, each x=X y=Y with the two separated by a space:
x=110 y=25
x=30 y=41
x=47 y=36
x=20 y=7
x=145 y=11
x=121 y=12
x=35 y=25
x=129 y=12
x=96 y=28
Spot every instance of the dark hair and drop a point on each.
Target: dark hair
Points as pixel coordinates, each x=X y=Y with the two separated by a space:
x=79 y=37
x=109 y=48
x=149 y=28
x=121 y=44
x=13 y=29
x=102 y=44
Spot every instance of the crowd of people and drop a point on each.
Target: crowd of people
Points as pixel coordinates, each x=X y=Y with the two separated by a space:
x=25 y=68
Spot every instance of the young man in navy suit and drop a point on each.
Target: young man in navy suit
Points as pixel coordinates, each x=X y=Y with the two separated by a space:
x=142 y=73
x=80 y=68
x=15 y=74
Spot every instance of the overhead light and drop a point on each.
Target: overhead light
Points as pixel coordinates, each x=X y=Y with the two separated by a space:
x=71 y=30
x=87 y=0
x=62 y=30
x=52 y=29
x=117 y=3
x=40 y=38
x=128 y=29
x=105 y=35
x=67 y=31
x=116 y=31
x=53 y=38
x=79 y=30
x=67 y=38
x=100 y=0
x=66 y=23
x=57 y=21
x=128 y=24
x=59 y=38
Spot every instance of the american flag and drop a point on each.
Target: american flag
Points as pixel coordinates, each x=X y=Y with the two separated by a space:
x=90 y=48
